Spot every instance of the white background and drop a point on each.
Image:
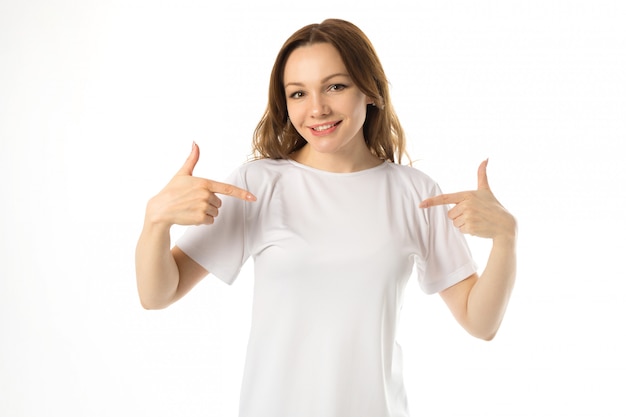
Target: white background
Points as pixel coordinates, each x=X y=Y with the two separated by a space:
x=99 y=105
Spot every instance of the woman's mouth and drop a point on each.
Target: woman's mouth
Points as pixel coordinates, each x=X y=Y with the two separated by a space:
x=324 y=129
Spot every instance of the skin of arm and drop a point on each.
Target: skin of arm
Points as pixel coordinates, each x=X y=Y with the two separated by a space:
x=164 y=275
x=479 y=303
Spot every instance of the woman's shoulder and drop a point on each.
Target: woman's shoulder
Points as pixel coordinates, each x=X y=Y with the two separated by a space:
x=266 y=170
x=413 y=175
x=264 y=165
x=261 y=170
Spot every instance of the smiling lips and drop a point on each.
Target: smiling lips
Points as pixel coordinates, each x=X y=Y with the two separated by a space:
x=324 y=129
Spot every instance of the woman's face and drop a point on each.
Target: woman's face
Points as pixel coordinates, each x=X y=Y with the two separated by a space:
x=323 y=103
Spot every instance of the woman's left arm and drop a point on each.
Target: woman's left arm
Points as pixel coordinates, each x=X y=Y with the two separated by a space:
x=479 y=303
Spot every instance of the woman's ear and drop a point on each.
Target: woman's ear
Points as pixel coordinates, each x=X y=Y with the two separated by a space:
x=371 y=101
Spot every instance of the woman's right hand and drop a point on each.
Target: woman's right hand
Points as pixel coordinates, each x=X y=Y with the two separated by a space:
x=189 y=200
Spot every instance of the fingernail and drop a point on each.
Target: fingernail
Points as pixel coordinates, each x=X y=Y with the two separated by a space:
x=250 y=197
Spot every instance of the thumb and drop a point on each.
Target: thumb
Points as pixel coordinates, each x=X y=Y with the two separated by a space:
x=192 y=160
x=482 y=175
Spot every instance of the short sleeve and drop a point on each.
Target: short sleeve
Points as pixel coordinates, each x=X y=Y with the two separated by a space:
x=448 y=257
x=220 y=247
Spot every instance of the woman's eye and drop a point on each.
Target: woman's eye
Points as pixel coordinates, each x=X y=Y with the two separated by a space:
x=336 y=87
x=297 y=94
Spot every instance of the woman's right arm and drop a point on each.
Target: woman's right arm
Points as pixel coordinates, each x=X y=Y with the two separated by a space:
x=164 y=275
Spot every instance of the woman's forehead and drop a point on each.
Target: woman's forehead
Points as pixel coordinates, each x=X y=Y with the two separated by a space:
x=315 y=62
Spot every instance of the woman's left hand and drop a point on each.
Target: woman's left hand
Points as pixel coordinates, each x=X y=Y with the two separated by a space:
x=477 y=212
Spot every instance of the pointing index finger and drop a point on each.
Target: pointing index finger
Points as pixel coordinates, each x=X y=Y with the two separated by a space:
x=231 y=190
x=442 y=199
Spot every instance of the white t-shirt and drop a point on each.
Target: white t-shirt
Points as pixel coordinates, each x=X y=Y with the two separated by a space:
x=332 y=255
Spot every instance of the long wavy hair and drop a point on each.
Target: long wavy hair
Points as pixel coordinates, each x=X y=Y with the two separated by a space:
x=276 y=138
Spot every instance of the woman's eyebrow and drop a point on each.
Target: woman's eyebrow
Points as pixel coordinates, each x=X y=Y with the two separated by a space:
x=325 y=79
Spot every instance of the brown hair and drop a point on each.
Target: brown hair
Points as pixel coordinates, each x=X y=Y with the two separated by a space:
x=275 y=137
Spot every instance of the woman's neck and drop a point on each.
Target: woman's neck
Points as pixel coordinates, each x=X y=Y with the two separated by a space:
x=336 y=162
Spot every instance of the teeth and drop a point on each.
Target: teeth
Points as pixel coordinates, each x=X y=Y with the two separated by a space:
x=324 y=127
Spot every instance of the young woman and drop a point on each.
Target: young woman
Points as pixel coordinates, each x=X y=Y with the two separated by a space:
x=335 y=227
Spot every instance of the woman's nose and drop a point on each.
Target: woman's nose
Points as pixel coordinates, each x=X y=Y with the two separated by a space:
x=319 y=106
